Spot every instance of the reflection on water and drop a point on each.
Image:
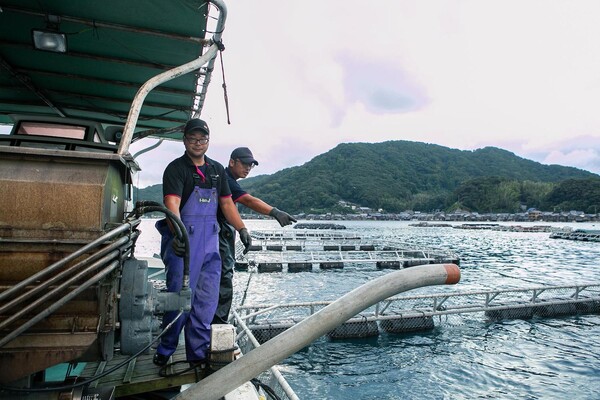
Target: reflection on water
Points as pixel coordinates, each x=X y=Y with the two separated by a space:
x=535 y=359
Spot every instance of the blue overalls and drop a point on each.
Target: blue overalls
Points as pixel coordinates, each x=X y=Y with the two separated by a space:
x=199 y=215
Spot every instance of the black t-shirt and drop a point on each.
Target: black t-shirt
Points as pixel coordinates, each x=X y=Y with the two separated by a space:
x=234 y=186
x=236 y=192
x=181 y=176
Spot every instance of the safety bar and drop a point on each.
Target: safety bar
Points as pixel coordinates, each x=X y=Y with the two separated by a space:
x=208 y=57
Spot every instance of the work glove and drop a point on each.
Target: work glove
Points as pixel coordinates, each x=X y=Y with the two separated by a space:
x=246 y=239
x=282 y=217
x=178 y=246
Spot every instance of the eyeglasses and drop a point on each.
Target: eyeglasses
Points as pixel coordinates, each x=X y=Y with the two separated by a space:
x=246 y=165
x=196 y=141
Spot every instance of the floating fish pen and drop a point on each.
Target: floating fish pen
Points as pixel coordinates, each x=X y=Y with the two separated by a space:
x=430 y=225
x=507 y=228
x=288 y=234
x=321 y=244
x=298 y=261
x=578 y=234
x=426 y=312
x=318 y=225
x=276 y=251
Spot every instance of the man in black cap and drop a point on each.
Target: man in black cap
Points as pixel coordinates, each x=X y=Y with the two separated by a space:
x=195 y=188
x=240 y=164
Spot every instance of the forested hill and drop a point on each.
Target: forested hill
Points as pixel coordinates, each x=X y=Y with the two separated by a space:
x=402 y=175
x=395 y=176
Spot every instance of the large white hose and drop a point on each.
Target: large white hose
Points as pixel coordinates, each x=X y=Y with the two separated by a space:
x=302 y=334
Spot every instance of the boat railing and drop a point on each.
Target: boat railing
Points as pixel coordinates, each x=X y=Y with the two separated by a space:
x=272 y=377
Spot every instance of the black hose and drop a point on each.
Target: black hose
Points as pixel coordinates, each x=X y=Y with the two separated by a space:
x=268 y=390
x=145 y=206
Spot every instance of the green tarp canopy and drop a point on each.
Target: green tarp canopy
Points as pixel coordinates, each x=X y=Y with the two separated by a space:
x=113 y=47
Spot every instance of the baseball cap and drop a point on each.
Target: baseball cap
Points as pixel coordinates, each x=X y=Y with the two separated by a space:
x=243 y=154
x=196 y=124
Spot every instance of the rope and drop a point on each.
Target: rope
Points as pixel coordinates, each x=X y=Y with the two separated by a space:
x=221 y=48
x=247 y=287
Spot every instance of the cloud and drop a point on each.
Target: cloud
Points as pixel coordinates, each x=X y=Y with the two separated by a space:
x=581 y=152
x=382 y=88
x=461 y=74
x=584 y=158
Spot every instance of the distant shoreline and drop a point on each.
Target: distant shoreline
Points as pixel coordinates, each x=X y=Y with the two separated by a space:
x=572 y=216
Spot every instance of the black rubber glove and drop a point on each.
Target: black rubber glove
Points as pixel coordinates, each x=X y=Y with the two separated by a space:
x=246 y=239
x=178 y=247
x=282 y=217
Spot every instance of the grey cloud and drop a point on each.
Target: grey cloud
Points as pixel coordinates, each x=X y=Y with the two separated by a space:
x=579 y=151
x=382 y=88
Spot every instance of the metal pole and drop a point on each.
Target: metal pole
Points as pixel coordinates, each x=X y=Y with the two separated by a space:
x=55 y=306
x=302 y=334
x=136 y=105
x=287 y=389
x=66 y=272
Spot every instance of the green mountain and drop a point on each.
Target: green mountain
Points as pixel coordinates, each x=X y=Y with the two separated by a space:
x=402 y=175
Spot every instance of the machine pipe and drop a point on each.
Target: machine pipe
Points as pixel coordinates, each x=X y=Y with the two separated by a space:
x=46 y=283
x=63 y=300
x=140 y=96
x=59 y=264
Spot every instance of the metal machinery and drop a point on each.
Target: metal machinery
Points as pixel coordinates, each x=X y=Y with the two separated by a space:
x=70 y=288
x=66 y=252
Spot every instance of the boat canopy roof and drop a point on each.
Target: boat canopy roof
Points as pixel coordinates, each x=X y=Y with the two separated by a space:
x=113 y=47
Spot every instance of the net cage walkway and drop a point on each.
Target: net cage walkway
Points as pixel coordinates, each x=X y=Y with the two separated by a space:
x=424 y=312
x=314 y=234
x=271 y=251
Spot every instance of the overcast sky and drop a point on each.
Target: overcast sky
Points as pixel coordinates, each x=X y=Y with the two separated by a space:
x=522 y=75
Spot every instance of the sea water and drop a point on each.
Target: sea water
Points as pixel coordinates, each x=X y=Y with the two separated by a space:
x=549 y=358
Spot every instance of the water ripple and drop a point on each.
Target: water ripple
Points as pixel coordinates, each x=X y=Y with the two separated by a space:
x=535 y=359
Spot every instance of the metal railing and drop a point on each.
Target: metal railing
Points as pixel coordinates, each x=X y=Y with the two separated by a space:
x=543 y=301
x=273 y=377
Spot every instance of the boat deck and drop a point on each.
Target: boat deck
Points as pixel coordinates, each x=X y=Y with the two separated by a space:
x=140 y=375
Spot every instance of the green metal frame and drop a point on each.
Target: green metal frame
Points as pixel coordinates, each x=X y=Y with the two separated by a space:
x=114 y=46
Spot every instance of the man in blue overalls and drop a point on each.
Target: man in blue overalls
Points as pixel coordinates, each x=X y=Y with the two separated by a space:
x=194 y=187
